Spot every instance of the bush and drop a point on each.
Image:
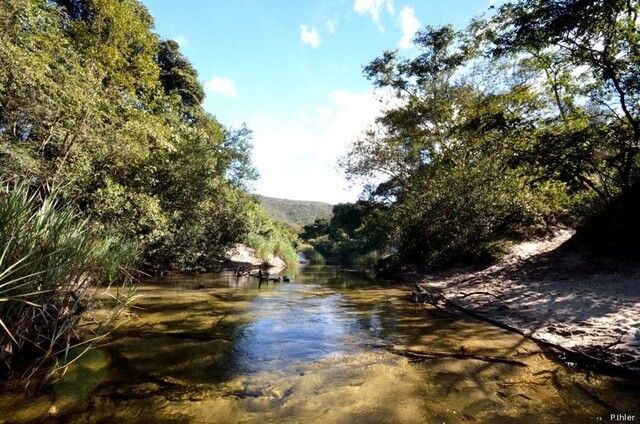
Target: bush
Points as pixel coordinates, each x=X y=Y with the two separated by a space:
x=312 y=254
x=49 y=263
x=272 y=245
x=368 y=260
x=355 y=230
x=464 y=213
x=285 y=251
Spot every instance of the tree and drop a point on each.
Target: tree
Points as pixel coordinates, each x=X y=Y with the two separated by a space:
x=451 y=155
x=599 y=42
x=178 y=76
x=93 y=103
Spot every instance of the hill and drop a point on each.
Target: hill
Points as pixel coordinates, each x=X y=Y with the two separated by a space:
x=299 y=212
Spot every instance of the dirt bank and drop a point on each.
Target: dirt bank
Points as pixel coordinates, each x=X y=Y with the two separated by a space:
x=242 y=255
x=586 y=304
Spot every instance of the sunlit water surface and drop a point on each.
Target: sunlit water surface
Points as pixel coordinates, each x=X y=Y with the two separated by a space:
x=321 y=348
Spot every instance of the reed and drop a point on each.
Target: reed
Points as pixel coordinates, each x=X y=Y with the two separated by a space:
x=51 y=266
x=273 y=245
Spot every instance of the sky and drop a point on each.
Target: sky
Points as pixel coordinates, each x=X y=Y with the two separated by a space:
x=291 y=70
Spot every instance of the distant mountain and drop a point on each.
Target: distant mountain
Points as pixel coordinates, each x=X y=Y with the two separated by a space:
x=299 y=212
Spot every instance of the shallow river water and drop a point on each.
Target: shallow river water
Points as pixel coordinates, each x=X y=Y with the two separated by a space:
x=328 y=347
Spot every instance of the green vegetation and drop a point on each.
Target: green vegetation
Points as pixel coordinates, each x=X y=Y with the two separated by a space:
x=91 y=101
x=271 y=238
x=51 y=260
x=353 y=233
x=522 y=120
x=295 y=212
x=311 y=254
x=94 y=104
x=289 y=217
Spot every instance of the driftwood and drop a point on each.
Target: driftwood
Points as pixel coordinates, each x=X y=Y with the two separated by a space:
x=433 y=296
x=243 y=270
x=617 y=341
x=422 y=356
x=422 y=295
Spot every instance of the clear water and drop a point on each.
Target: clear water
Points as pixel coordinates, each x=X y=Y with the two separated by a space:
x=322 y=348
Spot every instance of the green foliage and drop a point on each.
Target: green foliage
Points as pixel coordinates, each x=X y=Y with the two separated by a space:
x=462 y=214
x=523 y=119
x=592 y=135
x=311 y=254
x=587 y=52
x=93 y=103
x=369 y=260
x=49 y=263
x=177 y=74
x=354 y=232
x=461 y=157
x=270 y=238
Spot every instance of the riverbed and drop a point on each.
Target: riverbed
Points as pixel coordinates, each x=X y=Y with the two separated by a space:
x=329 y=346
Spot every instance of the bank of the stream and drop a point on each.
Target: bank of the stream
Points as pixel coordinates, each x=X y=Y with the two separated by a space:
x=329 y=346
x=583 y=304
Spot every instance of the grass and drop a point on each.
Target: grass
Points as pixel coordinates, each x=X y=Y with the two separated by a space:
x=50 y=264
x=272 y=245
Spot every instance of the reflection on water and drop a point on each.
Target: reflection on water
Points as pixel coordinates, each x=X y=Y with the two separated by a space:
x=322 y=348
x=292 y=328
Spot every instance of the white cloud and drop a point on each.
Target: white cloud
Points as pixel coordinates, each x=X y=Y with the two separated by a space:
x=222 y=86
x=331 y=26
x=182 y=40
x=296 y=156
x=390 y=7
x=262 y=117
x=409 y=25
x=373 y=8
x=309 y=36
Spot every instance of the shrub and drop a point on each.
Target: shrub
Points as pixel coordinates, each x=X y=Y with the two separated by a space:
x=49 y=263
x=312 y=254
x=464 y=213
x=368 y=260
x=285 y=251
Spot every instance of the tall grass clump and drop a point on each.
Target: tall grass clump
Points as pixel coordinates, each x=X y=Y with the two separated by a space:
x=50 y=265
x=273 y=244
x=285 y=251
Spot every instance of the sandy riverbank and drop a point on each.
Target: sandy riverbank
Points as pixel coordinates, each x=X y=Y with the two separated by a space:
x=582 y=303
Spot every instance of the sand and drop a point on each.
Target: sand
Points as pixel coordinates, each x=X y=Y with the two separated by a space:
x=570 y=299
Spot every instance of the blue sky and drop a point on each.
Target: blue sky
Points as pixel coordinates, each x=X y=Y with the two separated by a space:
x=292 y=71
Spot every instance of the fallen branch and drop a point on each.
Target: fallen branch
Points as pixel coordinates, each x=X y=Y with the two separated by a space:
x=422 y=295
x=433 y=355
x=171 y=335
x=610 y=345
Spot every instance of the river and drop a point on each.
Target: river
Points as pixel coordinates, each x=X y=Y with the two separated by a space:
x=329 y=346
